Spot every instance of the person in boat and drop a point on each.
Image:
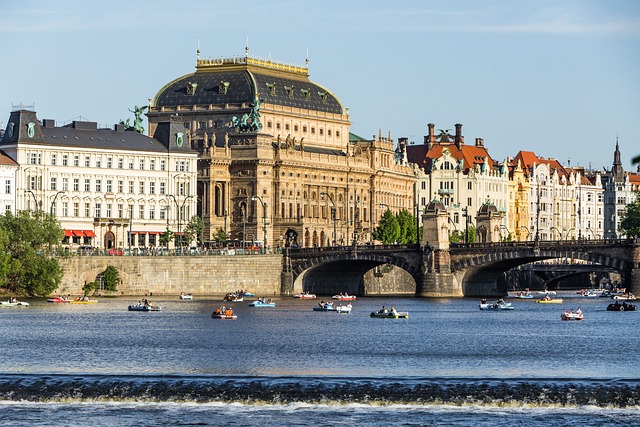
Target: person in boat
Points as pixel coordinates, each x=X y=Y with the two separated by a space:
x=579 y=311
x=393 y=311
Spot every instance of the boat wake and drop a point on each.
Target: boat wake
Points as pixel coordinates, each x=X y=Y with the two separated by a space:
x=619 y=393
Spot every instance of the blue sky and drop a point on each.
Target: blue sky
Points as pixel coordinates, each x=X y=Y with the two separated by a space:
x=560 y=78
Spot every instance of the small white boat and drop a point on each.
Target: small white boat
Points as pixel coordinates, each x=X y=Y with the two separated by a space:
x=186 y=296
x=392 y=314
x=144 y=307
x=305 y=295
x=498 y=305
x=546 y=292
x=624 y=297
x=571 y=315
x=343 y=296
x=343 y=309
x=262 y=303
x=324 y=306
x=524 y=295
x=14 y=303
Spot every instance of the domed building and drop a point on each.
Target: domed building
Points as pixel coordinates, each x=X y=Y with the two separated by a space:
x=276 y=159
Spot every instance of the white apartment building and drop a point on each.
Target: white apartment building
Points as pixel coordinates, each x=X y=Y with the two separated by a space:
x=8 y=169
x=108 y=188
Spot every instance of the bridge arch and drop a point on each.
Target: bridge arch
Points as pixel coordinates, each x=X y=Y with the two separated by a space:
x=482 y=274
x=344 y=272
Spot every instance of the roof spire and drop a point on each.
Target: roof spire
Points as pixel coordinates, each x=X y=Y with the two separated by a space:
x=246 y=48
x=198 y=51
x=307 y=60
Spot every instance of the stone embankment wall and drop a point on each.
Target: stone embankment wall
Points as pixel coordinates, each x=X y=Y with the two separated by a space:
x=168 y=275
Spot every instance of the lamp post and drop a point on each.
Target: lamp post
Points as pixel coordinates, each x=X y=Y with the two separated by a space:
x=527 y=230
x=264 y=222
x=243 y=208
x=466 y=223
x=505 y=227
x=53 y=202
x=179 y=207
x=333 y=215
x=35 y=202
x=559 y=232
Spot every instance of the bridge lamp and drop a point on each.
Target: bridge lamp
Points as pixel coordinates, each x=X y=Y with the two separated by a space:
x=333 y=214
x=264 y=222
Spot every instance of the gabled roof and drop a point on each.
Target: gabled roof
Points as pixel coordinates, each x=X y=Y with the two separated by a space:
x=6 y=160
x=470 y=155
x=529 y=158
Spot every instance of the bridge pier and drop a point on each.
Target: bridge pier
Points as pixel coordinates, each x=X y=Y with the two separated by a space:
x=632 y=273
x=437 y=279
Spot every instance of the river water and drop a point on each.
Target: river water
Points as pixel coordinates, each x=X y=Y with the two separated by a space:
x=448 y=364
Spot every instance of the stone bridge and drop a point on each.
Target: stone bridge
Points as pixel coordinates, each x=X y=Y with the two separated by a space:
x=459 y=270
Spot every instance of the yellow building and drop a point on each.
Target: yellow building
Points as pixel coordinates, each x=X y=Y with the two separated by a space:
x=519 y=188
x=276 y=159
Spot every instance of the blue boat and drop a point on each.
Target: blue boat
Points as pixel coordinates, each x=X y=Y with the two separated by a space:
x=262 y=303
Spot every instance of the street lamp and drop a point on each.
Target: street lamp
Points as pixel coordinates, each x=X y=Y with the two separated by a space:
x=505 y=227
x=527 y=230
x=333 y=215
x=559 y=232
x=264 y=222
x=53 y=202
x=179 y=207
x=35 y=202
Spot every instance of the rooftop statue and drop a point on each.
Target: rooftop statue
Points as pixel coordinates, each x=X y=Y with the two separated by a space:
x=137 y=123
x=250 y=122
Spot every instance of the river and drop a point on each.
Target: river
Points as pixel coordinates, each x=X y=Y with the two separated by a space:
x=448 y=364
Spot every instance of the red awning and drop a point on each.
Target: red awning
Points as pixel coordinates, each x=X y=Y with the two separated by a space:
x=133 y=232
x=89 y=233
x=154 y=232
x=68 y=233
x=78 y=233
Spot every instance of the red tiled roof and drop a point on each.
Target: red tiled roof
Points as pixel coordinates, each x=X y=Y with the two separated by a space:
x=6 y=160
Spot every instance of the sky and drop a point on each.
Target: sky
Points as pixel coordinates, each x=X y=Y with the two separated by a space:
x=559 y=78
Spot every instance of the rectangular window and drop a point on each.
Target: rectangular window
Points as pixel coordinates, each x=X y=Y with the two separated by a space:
x=162 y=188
x=163 y=165
x=108 y=210
x=87 y=210
x=65 y=184
x=120 y=210
x=131 y=163
x=152 y=164
x=98 y=185
x=54 y=159
x=76 y=209
x=65 y=160
x=120 y=186
x=7 y=186
x=469 y=201
x=163 y=214
x=98 y=161
x=76 y=160
x=141 y=187
x=87 y=161
x=65 y=208
x=120 y=163
x=87 y=185
x=109 y=186
x=109 y=162
x=141 y=212
x=54 y=183
x=141 y=164
x=130 y=187
x=98 y=210
x=152 y=187
x=152 y=212
x=130 y=208
x=76 y=184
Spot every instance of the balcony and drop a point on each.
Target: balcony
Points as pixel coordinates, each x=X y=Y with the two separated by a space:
x=445 y=191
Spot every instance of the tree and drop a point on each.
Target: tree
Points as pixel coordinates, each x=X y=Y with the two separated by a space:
x=25 y=267
x=630 y=224
x=221 y=236
x=111 y=278
x=194 y=230
x=166 y=237
x=407 y=224
x=388 y=230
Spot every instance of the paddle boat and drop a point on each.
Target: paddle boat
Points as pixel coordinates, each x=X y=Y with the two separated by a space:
x=624 y=297
x=224 y=313
x=383 y=313
x=498 y=305
x=343 y=296
x=305 y=295
x=262 y=302
x=188 y=296
x=524 y=295
x=83 y=300
x=616 y=306
x=244 y=293
x=13 y=302
x=324 y=306
x=233 y=297
x=61 y=298
x=549 y=300
x=571 y=315
x=144 y=305
x=343 y=309
x=546 y=292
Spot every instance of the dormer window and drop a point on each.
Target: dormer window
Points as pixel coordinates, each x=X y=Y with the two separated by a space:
x=289 y=90
x=323 y=97
x=272 y=88
x=191 y=88
x=306 y=93
x=223 y=87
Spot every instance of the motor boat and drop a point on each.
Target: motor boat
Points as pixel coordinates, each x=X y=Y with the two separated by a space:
x=305 y=295
x=498 y=305
x=616 y=306
x=262 y=303
x=389 y=314
x=624 y=297
x=13 y=302
x=144 y=306
x=571 y=315
x=58 y=299
x=344 y=297
x=186 y=296
x=224 y=314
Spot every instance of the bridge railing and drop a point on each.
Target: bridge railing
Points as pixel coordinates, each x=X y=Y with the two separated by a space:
x=351 y=248
x=547 y=243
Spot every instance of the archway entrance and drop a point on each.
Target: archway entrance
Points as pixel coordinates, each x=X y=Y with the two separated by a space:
x=109 y=240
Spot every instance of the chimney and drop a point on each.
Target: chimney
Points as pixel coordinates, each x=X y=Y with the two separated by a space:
x=458 y=138
x=479 y=142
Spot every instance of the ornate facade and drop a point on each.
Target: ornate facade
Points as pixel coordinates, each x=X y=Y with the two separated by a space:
x=276 y=159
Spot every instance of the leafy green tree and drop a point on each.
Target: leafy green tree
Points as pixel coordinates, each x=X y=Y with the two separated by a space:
x=221 y=236
x=90 y=287
x=388 y=230
x=166 y=237
x=407 y=224
x=111 y=278
x=25 y=267
x=456 y=236
x=630 y=224
x=194 y=230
